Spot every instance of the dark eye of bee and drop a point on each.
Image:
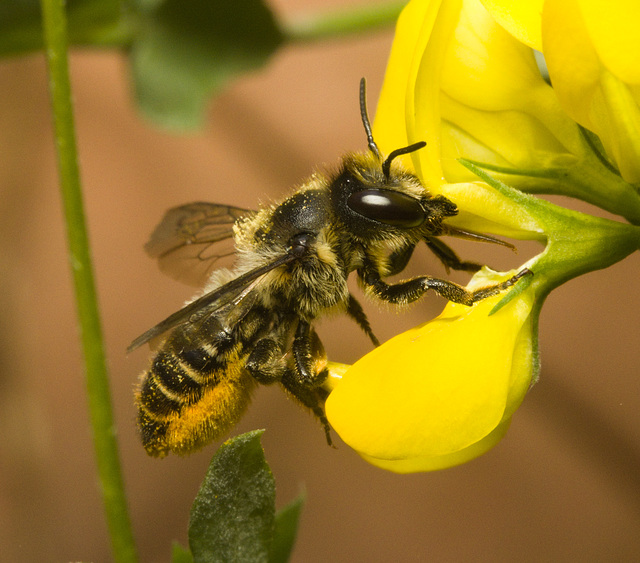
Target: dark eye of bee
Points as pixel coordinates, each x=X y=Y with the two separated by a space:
x=388 y=207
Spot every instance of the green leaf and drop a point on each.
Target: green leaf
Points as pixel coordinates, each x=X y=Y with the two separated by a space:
x=90 y=22
x=286 y=530
x=182 y=52
x=233 y=515
x=180 y=554
x=186 y=51
x=20 y=27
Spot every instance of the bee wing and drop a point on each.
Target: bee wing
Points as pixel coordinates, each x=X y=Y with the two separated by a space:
x=202 y=325
x=194 y=239
x=227 y=295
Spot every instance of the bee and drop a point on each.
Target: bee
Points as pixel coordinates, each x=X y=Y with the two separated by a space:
x=253 y=324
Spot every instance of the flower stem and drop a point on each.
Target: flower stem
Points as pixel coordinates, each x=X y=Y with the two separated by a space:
x=106 y=447
x=343 y=22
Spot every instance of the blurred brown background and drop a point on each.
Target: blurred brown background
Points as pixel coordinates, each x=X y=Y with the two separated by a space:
x=563 y=485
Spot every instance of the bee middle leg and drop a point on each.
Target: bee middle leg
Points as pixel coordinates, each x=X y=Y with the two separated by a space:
x=356 y=312
x=399 y=259
x=449 y=258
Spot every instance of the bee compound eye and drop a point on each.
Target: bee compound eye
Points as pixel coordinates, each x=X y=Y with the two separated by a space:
x=388 y=207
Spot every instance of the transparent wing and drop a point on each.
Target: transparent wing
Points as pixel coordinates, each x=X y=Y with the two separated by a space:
x=194 y=239
x=226 y=297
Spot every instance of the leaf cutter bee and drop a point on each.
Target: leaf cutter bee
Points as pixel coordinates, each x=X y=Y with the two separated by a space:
x=253 y=324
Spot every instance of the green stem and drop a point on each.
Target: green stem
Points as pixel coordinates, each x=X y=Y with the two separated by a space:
x=340 y=23
x=106 y=447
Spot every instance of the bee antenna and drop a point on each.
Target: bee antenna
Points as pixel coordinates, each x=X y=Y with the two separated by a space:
x=365 y=119
x=386 y=165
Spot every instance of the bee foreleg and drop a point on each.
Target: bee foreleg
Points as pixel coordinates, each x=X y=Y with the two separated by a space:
x=414 y=288
x=356 y=312
x=266 y=362
x=309 y=356
x=448 y=257
x=398 y=293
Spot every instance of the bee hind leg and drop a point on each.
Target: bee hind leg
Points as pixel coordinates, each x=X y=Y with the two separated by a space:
x=312 y=398
x=309 y=356
x=266 y=362
x=308 y=370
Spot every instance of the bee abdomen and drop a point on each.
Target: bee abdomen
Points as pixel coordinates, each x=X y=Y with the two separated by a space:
x=200 y=360
x=153 y=434
x=172 y=382
x=180 y=416
x=154 y=399
x=176 y=379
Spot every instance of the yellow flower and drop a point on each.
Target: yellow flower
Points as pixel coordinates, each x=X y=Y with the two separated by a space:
x=465 y=80
x=480 y=93
x=592 y=49
x=593 y=54
x=444 y=392
x=420 y=89
x=441 y=393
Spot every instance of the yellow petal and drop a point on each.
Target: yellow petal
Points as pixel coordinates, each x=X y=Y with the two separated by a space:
x=507 y=138
x=616 y=119
x=436 y=389
x=460 y=82
x=571 y=58
x=613 y=26
x=483 y=209
x=588 y=63
x=389 y=126
x=395 y=111
x=484 y=67
x=521 y=18
x=434 y=463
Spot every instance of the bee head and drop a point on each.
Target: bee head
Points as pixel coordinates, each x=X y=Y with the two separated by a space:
x=375 y=197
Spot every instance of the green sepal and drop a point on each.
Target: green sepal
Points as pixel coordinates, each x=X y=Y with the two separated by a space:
x=522 y=284
x=576 y=243
x=479 y=170
x=233 y=515
x=592 y=179
x=595 y=145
